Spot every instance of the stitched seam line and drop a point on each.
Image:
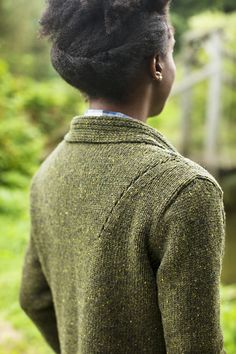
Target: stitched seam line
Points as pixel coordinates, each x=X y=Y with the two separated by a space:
x=71 y=138
x=176 y=191
x=183 y=186
x=145 y=141
x=126 y=191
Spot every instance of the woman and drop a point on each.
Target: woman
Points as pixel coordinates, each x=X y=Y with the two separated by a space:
x=127 y=235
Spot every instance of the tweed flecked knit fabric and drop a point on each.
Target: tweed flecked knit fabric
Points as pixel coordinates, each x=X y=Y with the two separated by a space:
x=126 y=244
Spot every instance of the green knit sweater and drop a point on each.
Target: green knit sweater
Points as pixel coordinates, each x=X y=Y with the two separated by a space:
x=126 y=244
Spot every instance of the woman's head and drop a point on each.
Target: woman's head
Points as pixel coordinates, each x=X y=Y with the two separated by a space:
x=103 y=47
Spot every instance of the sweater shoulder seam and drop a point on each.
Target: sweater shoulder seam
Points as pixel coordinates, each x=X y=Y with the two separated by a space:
x=185 y=185
x=130 y=187
x=126 y=192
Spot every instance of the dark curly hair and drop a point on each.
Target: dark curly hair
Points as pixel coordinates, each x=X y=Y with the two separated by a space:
x=100 y=46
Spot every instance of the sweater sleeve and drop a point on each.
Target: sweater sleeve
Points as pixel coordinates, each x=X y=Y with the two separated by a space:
x=189 y=272
x=35 y=297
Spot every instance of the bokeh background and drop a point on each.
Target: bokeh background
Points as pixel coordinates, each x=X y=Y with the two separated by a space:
x=36 y=108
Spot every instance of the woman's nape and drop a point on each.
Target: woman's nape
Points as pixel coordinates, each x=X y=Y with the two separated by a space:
x=150 y=95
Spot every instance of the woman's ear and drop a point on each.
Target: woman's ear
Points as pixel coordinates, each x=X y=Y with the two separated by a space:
x=156 y=67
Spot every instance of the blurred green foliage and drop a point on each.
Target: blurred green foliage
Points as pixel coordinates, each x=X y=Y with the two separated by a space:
x=34 y=117
x=18 y=334
x=228 y=301
x=199 y=25
x=20 y=141
x=181 y=11
x=19 y=43
x=50 y=104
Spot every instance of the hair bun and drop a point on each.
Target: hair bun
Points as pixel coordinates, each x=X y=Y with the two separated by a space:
x=117 y=11
x=157 y=5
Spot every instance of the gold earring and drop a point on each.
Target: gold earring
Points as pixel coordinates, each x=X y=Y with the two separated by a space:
x=159 y=76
